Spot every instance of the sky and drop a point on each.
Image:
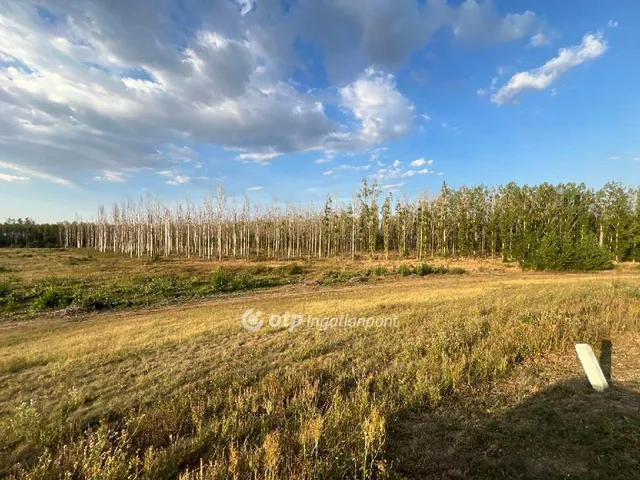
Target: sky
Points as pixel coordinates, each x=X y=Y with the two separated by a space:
x=291 y=100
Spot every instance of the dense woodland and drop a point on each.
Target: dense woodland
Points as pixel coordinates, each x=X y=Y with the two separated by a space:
x=27 y=233
x=543 y=226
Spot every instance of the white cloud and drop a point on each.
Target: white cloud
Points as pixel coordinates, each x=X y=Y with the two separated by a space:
x=245 y=6
x=612 y=24
x=354 y=167
x=35 y=173
x=328 y=172
x=328 y=157
x=398 y=171
x=12 y=178
x=592 y=47
x=262 y=158
x=179 y=180
x=354 y=34
x=425 y=117
x=420 y=162
x=377 y=153
x=481 y=92
x=479 y=22
x=544 y=37
x=254 y=189
x=111 y=85
x=392 y=187
x=110 y=176
x=384 y=112
x=540 y=39
x=180 y=154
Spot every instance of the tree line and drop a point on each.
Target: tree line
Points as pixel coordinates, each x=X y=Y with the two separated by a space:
x=544 y=226
x=27 y=233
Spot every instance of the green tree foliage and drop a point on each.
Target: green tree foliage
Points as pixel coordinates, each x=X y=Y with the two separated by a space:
x=550 y=227
x=26 y=233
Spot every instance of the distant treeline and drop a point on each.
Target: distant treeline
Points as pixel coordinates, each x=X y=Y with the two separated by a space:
x=565 y=226
x=26 y=233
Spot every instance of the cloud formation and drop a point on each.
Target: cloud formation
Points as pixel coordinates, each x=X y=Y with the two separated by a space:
x=384 y=112
x=103 y=86
x=592 y=47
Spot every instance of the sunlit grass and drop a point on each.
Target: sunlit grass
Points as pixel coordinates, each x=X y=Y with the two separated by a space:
x=187 y=391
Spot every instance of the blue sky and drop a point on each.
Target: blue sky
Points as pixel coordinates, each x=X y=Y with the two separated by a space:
x=103 y=101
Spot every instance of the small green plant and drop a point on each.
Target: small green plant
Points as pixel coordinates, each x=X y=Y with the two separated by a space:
x=295 y=269
x=243 y=281
x=220 y=281
x=457 y=271
x=404 y=270
x=424 y=269
x=53 y=296
x=5 y=292
x=95 y=300
x=380 y=270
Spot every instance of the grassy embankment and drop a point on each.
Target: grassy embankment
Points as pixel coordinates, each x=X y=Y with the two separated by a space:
x=458 y=389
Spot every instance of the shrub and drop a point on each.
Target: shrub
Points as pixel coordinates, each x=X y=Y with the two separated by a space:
x=295 y=269
x=95 y=299
x=242 y=281
x=380 y=270
x=53 y=296
x=404 y=270
x=5 y=292
x=556 y=253
x=424 y=269
x=220 y=281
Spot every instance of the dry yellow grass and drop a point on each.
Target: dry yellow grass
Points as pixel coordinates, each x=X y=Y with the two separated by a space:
x=36 y=264
x=188 y=391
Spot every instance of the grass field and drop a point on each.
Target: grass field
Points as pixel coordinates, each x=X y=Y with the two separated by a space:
x=476 y=380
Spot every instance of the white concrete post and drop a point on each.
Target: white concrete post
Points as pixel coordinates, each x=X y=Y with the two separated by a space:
x=591 y=367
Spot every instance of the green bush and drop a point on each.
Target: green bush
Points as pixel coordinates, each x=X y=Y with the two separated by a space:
x=94 y=299
x=53 y=296
x=380 y=270
x=424 y=269
x=221 y=281
x=556 y=254
x=404 y=270
x=5 y=292
x=295 y=269
x=457 y=271
x=243 y=281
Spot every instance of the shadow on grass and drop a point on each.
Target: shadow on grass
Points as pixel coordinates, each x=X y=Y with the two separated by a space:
x=565 y=431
